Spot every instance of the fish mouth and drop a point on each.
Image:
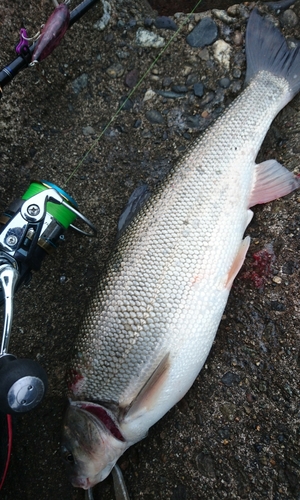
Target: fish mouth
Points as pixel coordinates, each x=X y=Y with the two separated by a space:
x=81 y=482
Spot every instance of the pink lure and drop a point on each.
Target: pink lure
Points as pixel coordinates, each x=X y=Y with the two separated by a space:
x=52 y=33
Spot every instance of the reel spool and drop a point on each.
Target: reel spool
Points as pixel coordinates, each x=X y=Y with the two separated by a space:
x=32 y=227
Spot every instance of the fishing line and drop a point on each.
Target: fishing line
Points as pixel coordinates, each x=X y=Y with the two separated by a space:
x=132 y=92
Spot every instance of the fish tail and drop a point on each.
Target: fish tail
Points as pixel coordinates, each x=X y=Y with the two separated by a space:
x=267 y=50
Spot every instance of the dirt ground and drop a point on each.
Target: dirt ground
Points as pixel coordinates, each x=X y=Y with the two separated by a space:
x=236 y=433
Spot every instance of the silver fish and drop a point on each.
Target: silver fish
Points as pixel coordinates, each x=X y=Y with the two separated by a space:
x=153 y=319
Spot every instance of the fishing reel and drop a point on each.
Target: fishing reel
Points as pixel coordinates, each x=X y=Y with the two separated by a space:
x=30 y=228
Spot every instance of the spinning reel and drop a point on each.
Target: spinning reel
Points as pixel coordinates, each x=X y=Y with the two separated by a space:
x=30 y=228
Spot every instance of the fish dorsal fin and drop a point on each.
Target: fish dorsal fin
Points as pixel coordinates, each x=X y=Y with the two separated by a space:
x=238 y=261
x=147 y=396
x=137 y=199
x=272 y=181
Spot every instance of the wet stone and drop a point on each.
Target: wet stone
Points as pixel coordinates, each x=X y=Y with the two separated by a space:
x=167 y=81
x=80 y=83
x=205 y=33
x=154 y=116
x=193 y=121
x=198 y=89
x=277 y=306
x=148 y=22
x=164 y=22
x=230 y=379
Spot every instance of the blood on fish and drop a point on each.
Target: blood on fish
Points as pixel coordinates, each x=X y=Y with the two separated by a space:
x=261 y=266
x=104 y=417
x=74 y=380
x=52 y=33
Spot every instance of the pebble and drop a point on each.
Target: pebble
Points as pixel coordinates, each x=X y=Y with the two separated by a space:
x=164 y=22
x=230 y=379
x=223 y=16
x=115 y=70
x=198 y=89
x=193 y=121
x=88 y=130
x=145 y=38
x=238 y=38
x=180 y=89
x=149 y=95
x=167 y=81
x=103 y=22
x=222 y=51
x=288 y=19
x=169 y=94
x=224 y=83
x=128 y=104
x=154 y=116
x=191 y=79
x=205 y=33
x=80 y=83
x=131 y=78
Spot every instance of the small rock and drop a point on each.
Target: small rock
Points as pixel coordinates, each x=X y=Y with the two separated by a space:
x=167 y=81
x=164 y=22
x=277 y=280
x=103 y=22
x=223 y=16
x=126 y=103
x=288 y=19
x=180 y=89
x=193 y=121
x=88 y=130
x=198 y=89
x=148 y=22
x=205 y=33
x=149 y=95
x=204 y=54
x=236 y=73
x=131 y=78
x=205 y=464
x=238 y=38
x=154 y=116
x=80 y=83
x=224 y=83
x=115 y=70
x=222 y=51
x=169 y=94
x=145 y=38
x=230 y=379
x=192 y=78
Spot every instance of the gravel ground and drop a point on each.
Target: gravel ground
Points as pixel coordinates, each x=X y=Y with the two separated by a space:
x=236 y=433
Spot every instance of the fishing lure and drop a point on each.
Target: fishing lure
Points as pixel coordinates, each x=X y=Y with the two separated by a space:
x=52 y=33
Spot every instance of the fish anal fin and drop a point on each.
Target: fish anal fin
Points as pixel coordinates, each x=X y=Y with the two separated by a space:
x=147 y=396
x=238 y=262
x=272 y=181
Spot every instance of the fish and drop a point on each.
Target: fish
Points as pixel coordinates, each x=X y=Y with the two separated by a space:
x=152 y=321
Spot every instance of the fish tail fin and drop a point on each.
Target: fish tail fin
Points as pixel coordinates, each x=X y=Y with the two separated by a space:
x=267 y=50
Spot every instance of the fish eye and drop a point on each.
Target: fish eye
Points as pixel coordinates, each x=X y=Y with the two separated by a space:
x=68 y=457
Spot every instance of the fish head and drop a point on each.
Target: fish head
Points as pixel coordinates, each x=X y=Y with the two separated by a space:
x=91 y=443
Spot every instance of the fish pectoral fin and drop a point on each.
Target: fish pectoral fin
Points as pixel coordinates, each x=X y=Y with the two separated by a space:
x=272 y=181
x=147 y=396
x=238 y=262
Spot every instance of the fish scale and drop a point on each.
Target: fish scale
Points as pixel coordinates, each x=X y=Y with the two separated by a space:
x=153 y=319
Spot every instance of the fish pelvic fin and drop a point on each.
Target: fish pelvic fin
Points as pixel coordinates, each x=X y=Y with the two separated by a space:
x=238 y=261
x=271 y=181
x=267 y=50
x=146 y=398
